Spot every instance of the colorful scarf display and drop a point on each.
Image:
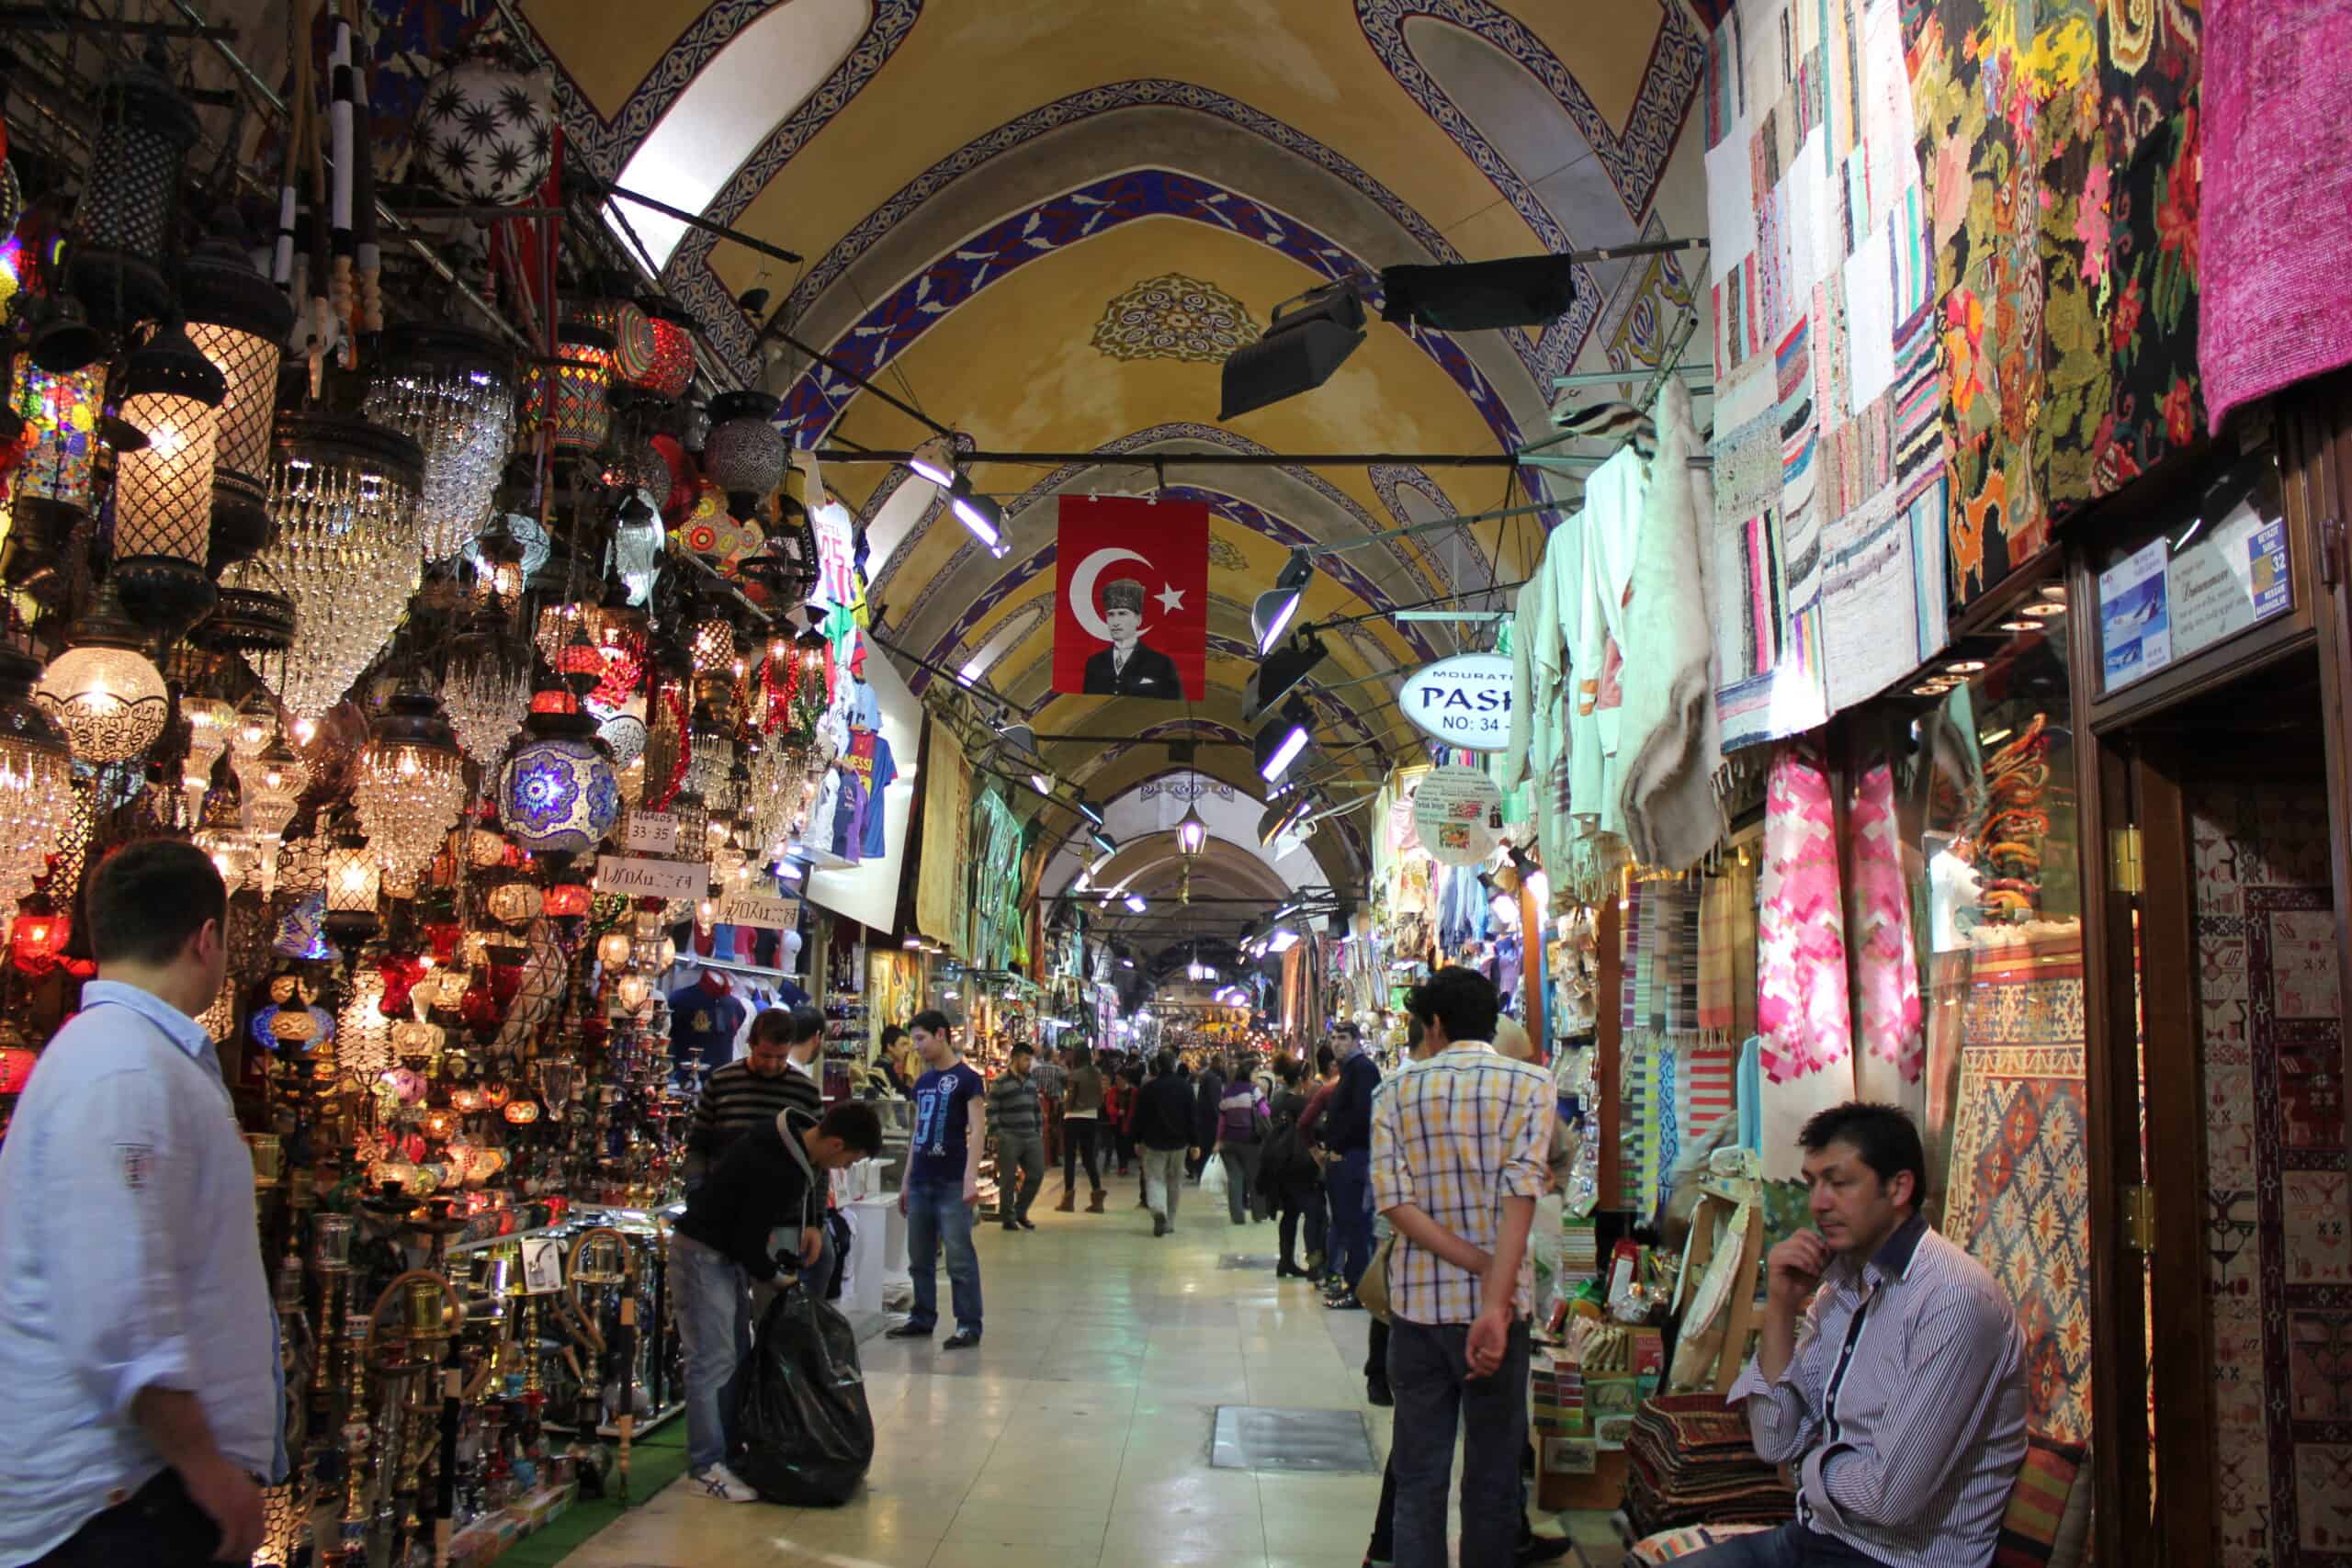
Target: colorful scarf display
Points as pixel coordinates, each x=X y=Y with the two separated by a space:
x=1887 y=1066
x=1727 y=954
x=1807 y=1056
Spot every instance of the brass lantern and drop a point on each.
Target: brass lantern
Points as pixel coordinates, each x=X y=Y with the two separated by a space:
x=354 y=887
x=236 y=318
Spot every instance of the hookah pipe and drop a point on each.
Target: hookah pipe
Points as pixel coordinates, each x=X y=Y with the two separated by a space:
x=449 y=1317
x=611 y=1263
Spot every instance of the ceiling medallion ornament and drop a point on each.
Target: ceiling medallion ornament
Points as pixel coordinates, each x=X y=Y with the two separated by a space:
x=1174 y=316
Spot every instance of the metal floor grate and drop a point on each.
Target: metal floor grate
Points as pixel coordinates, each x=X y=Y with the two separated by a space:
x=1257 y=1436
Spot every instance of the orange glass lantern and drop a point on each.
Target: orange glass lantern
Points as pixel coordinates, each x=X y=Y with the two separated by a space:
x=37 y=939
x=571 y=393
x=565 y=898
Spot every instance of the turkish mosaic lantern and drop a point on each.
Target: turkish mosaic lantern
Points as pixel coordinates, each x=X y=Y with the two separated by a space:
x=557 y=795
x=745 y=455
x=51 y=488
x=673 y=349
x=634 y=343
x=570 y=394
x=131 y=201
x=236 y=318
x=484 y=131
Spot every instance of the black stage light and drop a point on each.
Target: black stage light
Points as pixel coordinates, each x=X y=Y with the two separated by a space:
x=1309 y=338
x=1271 y=613
x=1279 y=743
x=1521 y=291
x=1278 y=675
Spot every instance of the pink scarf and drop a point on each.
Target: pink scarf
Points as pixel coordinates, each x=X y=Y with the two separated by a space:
x=1886 y=963
x=1807 y=1052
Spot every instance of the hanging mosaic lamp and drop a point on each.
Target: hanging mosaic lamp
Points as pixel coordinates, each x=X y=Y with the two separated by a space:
x=51 y=486
x=711 y=643
x=558 y=794
x=673 y=349
x=626 y=323
x=571 y=393
x=484 y=130
x=745 y=455
x=36 y=778
x=162 y=491
x=103 y=691
x=130 y=209
x=342 y=495
x=236 y=318
x=411 y=783
x=452 y=392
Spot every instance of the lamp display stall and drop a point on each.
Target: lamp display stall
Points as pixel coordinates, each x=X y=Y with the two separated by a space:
x=381 y=612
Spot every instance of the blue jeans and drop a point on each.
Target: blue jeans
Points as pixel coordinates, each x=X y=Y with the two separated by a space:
x=1792 y=1545
x=1349 y=1177
x=935 y=1214
x=713 y=1303
x=1428 y=1371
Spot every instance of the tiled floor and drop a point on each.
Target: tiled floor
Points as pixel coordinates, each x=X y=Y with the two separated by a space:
x=1077 y=1433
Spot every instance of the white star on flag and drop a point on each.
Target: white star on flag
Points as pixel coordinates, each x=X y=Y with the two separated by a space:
x=1171 y=599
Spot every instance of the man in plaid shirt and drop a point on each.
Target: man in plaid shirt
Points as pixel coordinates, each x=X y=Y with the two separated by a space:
x=1458 y=1154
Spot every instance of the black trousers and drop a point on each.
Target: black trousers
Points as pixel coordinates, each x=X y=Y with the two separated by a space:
x=158 y=1525
x=1078 y=1137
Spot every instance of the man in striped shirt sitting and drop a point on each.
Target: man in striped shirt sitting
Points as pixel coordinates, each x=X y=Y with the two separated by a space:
x=1459 y=1147
x=1899 y=1393
x=749 y=1092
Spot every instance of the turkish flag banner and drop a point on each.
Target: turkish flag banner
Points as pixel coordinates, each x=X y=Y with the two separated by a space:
x=1130 y=603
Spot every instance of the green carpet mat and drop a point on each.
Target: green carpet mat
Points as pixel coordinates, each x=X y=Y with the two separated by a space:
x=653 y=1463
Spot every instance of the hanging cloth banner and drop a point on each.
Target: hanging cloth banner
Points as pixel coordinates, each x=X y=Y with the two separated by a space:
x=1131 y=615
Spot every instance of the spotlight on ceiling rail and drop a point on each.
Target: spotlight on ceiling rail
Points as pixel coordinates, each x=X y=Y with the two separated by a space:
x=1309 y=338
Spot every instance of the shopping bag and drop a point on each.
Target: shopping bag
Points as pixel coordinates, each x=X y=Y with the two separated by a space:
x=808 y=1436
x=1213 y=1178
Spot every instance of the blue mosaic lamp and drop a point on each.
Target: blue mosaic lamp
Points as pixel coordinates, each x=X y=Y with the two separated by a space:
x=557 y=795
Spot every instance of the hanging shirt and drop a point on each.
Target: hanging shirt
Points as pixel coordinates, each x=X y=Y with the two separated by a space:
x=868 y=759
x=848 y=839
x=702 y=1025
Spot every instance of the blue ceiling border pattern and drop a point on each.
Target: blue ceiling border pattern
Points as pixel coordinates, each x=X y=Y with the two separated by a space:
x=819 y=395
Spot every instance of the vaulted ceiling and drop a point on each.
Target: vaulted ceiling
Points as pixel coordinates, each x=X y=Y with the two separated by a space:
x=1043 y=222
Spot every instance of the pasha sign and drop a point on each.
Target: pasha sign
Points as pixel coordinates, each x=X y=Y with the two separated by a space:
x=1464 y=701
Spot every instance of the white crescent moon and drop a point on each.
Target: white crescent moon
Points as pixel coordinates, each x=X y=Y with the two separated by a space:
x=1082 y=589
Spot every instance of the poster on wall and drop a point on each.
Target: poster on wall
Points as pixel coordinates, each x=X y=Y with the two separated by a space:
x=1131 y=598
x=1458 y=812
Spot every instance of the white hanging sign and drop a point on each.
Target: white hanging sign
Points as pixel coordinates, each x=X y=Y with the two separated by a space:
x=751 y=906
x=652 y=878
x=1459 y=814
x=1464 y=701
x=651 y=832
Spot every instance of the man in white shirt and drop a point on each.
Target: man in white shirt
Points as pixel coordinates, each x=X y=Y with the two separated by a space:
x=138 y=1342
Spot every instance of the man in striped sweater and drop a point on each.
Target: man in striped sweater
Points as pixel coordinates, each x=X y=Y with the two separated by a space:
x=1019 y=1123
x=749 y=1092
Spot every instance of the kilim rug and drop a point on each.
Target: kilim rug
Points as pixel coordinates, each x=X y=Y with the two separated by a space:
x=2278 y=1263
x=2018 y=1194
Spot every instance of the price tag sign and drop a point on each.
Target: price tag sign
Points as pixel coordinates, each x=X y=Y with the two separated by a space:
x=650 y=833
x=751 y=906
x=1459 y=814
x=1464 y=701
x=652 y=878
x=542 y=1264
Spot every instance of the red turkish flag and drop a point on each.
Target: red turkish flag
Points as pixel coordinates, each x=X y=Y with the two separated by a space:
x=1131 y=600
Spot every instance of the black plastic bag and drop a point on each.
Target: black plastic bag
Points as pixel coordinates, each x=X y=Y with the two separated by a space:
x=808 y=1436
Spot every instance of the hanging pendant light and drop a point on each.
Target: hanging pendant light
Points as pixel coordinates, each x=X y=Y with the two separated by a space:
x=163 y=493
x=209 y=721
x=1192 y=832
x=571 y=393
x=557 y=795
x=745 y=455
x=673 y=349
x=124 y=223
x=411 y=783
x=452 y=392
x=624 y=321
x=237 y=319
x=51 y=484
x=36 y=778
x=272 y=782
x=355 y=885
x=103 y=691
x=343 y=496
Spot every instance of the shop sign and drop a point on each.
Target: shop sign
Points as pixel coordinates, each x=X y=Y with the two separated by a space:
x=2160 y=605
x=650 y=833
x=652 y=878
x=1459 y=814
x=1464 y=701
x=751 y=906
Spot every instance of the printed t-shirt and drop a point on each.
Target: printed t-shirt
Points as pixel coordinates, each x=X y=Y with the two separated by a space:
x=703 y=1024
x=943 y=1131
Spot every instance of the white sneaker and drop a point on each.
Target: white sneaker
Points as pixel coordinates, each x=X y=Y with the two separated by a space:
x=721 y=1484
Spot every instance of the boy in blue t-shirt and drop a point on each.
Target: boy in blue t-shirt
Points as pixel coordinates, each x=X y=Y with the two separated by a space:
x=942 y=1183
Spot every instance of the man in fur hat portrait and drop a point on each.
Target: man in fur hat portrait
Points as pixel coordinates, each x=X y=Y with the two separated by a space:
x=1129 y=667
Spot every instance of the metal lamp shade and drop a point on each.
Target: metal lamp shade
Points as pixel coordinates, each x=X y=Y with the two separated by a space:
x=452 y=392
x=162 y=493
x=131 y=201
x=108 y=698
x=745 y=455
x=237 y=317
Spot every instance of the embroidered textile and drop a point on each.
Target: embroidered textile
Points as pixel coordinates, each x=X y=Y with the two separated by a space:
x=1727 y=954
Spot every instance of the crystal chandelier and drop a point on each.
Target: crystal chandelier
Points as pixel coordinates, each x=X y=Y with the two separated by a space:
x=342 y=493
x=411 y=785
x=451 y=390
x=103 y=691
x=485 y=691
x=36 y=778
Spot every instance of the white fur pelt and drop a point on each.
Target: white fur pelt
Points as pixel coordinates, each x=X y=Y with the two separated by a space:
x=1673 y=742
